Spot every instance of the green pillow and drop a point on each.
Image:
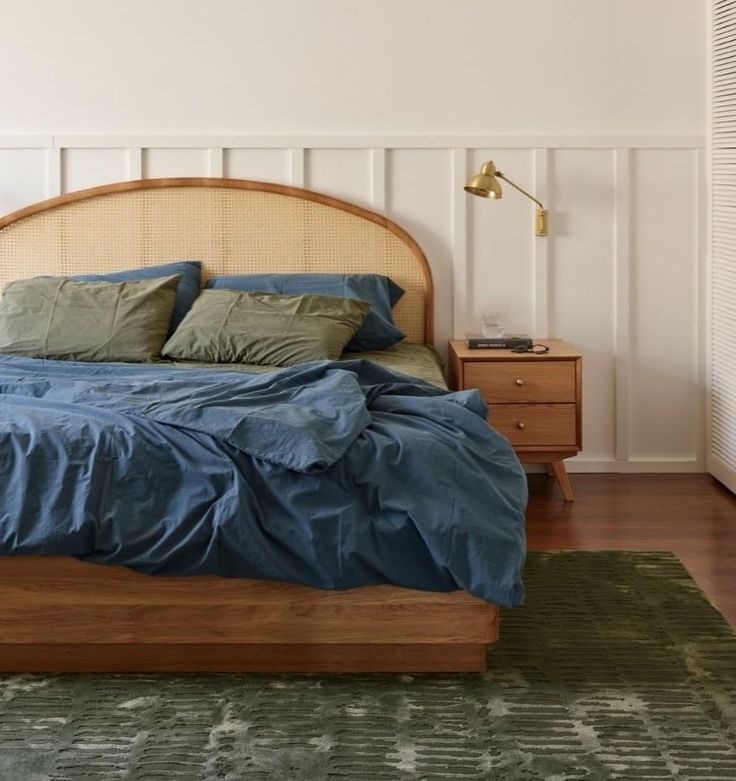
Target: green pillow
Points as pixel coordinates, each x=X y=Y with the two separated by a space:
x=51 y=317
x=228 y=326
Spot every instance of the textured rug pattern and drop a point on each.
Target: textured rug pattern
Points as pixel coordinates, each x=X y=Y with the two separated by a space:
x=618 y=668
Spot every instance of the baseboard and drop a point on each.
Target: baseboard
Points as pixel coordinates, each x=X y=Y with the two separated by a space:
x=675 y=466
x=612 y=466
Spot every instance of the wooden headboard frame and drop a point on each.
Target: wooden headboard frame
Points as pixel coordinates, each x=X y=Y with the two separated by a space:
x=233 y=226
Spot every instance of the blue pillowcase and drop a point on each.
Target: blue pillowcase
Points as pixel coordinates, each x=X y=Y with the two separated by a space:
x=378 y=330
x=186 y=293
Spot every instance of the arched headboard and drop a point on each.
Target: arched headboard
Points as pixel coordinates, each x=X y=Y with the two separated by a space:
x=233 y=226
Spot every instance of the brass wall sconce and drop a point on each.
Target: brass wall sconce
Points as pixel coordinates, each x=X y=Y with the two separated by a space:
x=486 y=185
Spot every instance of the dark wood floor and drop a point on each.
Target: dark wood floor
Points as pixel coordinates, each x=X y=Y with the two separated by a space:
x=691 y=515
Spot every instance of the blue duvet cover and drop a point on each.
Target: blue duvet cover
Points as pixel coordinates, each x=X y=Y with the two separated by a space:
x=332 y=475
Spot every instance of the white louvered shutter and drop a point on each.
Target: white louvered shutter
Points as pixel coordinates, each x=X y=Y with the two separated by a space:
x=722 y=423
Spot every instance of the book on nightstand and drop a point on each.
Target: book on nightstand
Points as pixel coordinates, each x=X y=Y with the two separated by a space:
x=507 y=342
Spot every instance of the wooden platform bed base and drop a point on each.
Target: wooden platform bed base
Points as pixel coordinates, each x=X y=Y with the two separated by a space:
x=61 y=615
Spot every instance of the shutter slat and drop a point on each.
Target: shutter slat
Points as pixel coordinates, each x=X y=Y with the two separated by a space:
x=723 y=19
x=724 y=63
x=726 y=35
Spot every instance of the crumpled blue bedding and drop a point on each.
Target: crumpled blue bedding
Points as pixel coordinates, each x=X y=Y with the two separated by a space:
x=329 y=474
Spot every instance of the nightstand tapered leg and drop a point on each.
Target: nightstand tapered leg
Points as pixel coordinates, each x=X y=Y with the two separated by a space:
x=563 y=479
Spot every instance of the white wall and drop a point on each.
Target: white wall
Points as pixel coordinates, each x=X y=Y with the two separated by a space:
x=346 y=66
x=597 y=106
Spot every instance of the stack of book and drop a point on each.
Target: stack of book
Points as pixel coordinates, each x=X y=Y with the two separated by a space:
x=507 y=342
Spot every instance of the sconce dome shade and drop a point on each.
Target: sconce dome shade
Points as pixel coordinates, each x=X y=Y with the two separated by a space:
x=485 y=184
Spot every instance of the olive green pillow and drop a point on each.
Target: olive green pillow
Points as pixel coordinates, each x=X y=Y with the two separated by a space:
x=228 y=326
x=49 y=317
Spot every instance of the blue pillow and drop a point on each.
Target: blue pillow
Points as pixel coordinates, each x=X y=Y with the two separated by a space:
x=186 y=292
x=378 y=330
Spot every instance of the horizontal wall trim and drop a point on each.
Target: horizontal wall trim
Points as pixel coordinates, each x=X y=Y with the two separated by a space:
x=26 y=142
x=357 y=141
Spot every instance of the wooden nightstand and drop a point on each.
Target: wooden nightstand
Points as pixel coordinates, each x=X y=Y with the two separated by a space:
x=535 y=400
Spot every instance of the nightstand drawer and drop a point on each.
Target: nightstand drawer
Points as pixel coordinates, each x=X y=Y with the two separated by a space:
x=523 y=381
x=536 y=425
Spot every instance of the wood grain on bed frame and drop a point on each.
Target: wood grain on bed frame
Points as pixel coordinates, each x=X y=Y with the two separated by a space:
x=60 y=614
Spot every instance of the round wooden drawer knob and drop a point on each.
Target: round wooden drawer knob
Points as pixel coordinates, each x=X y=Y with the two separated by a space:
x=520 y=382
x=521 y=424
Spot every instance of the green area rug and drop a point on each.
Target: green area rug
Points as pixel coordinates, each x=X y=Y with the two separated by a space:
x=618 y=668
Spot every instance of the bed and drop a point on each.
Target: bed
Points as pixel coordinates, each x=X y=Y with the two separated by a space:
x=59 y=613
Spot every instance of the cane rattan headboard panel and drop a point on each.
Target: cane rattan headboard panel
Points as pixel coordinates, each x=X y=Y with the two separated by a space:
x=233 y=226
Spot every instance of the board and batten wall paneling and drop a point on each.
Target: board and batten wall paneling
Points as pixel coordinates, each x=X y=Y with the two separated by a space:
x=23 y=177
x=620 y=275
x=664 y=306
x=420 y=198
x=268 y=165
x=580 y=271
x=175 y=162
x=344 y=173
x=82 y=168
x=501 y=245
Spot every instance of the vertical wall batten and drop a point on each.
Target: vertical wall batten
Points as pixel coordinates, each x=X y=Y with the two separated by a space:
x=459 y=243
x=134 y=163
x=53 y=172
x=296 y=166
x=721 y=457
x=541 y=253
x=622 y=309
x=378 y=179
x=215 y=161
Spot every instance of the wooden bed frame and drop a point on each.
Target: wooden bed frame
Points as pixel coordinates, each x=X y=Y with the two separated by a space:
x=58 y=614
